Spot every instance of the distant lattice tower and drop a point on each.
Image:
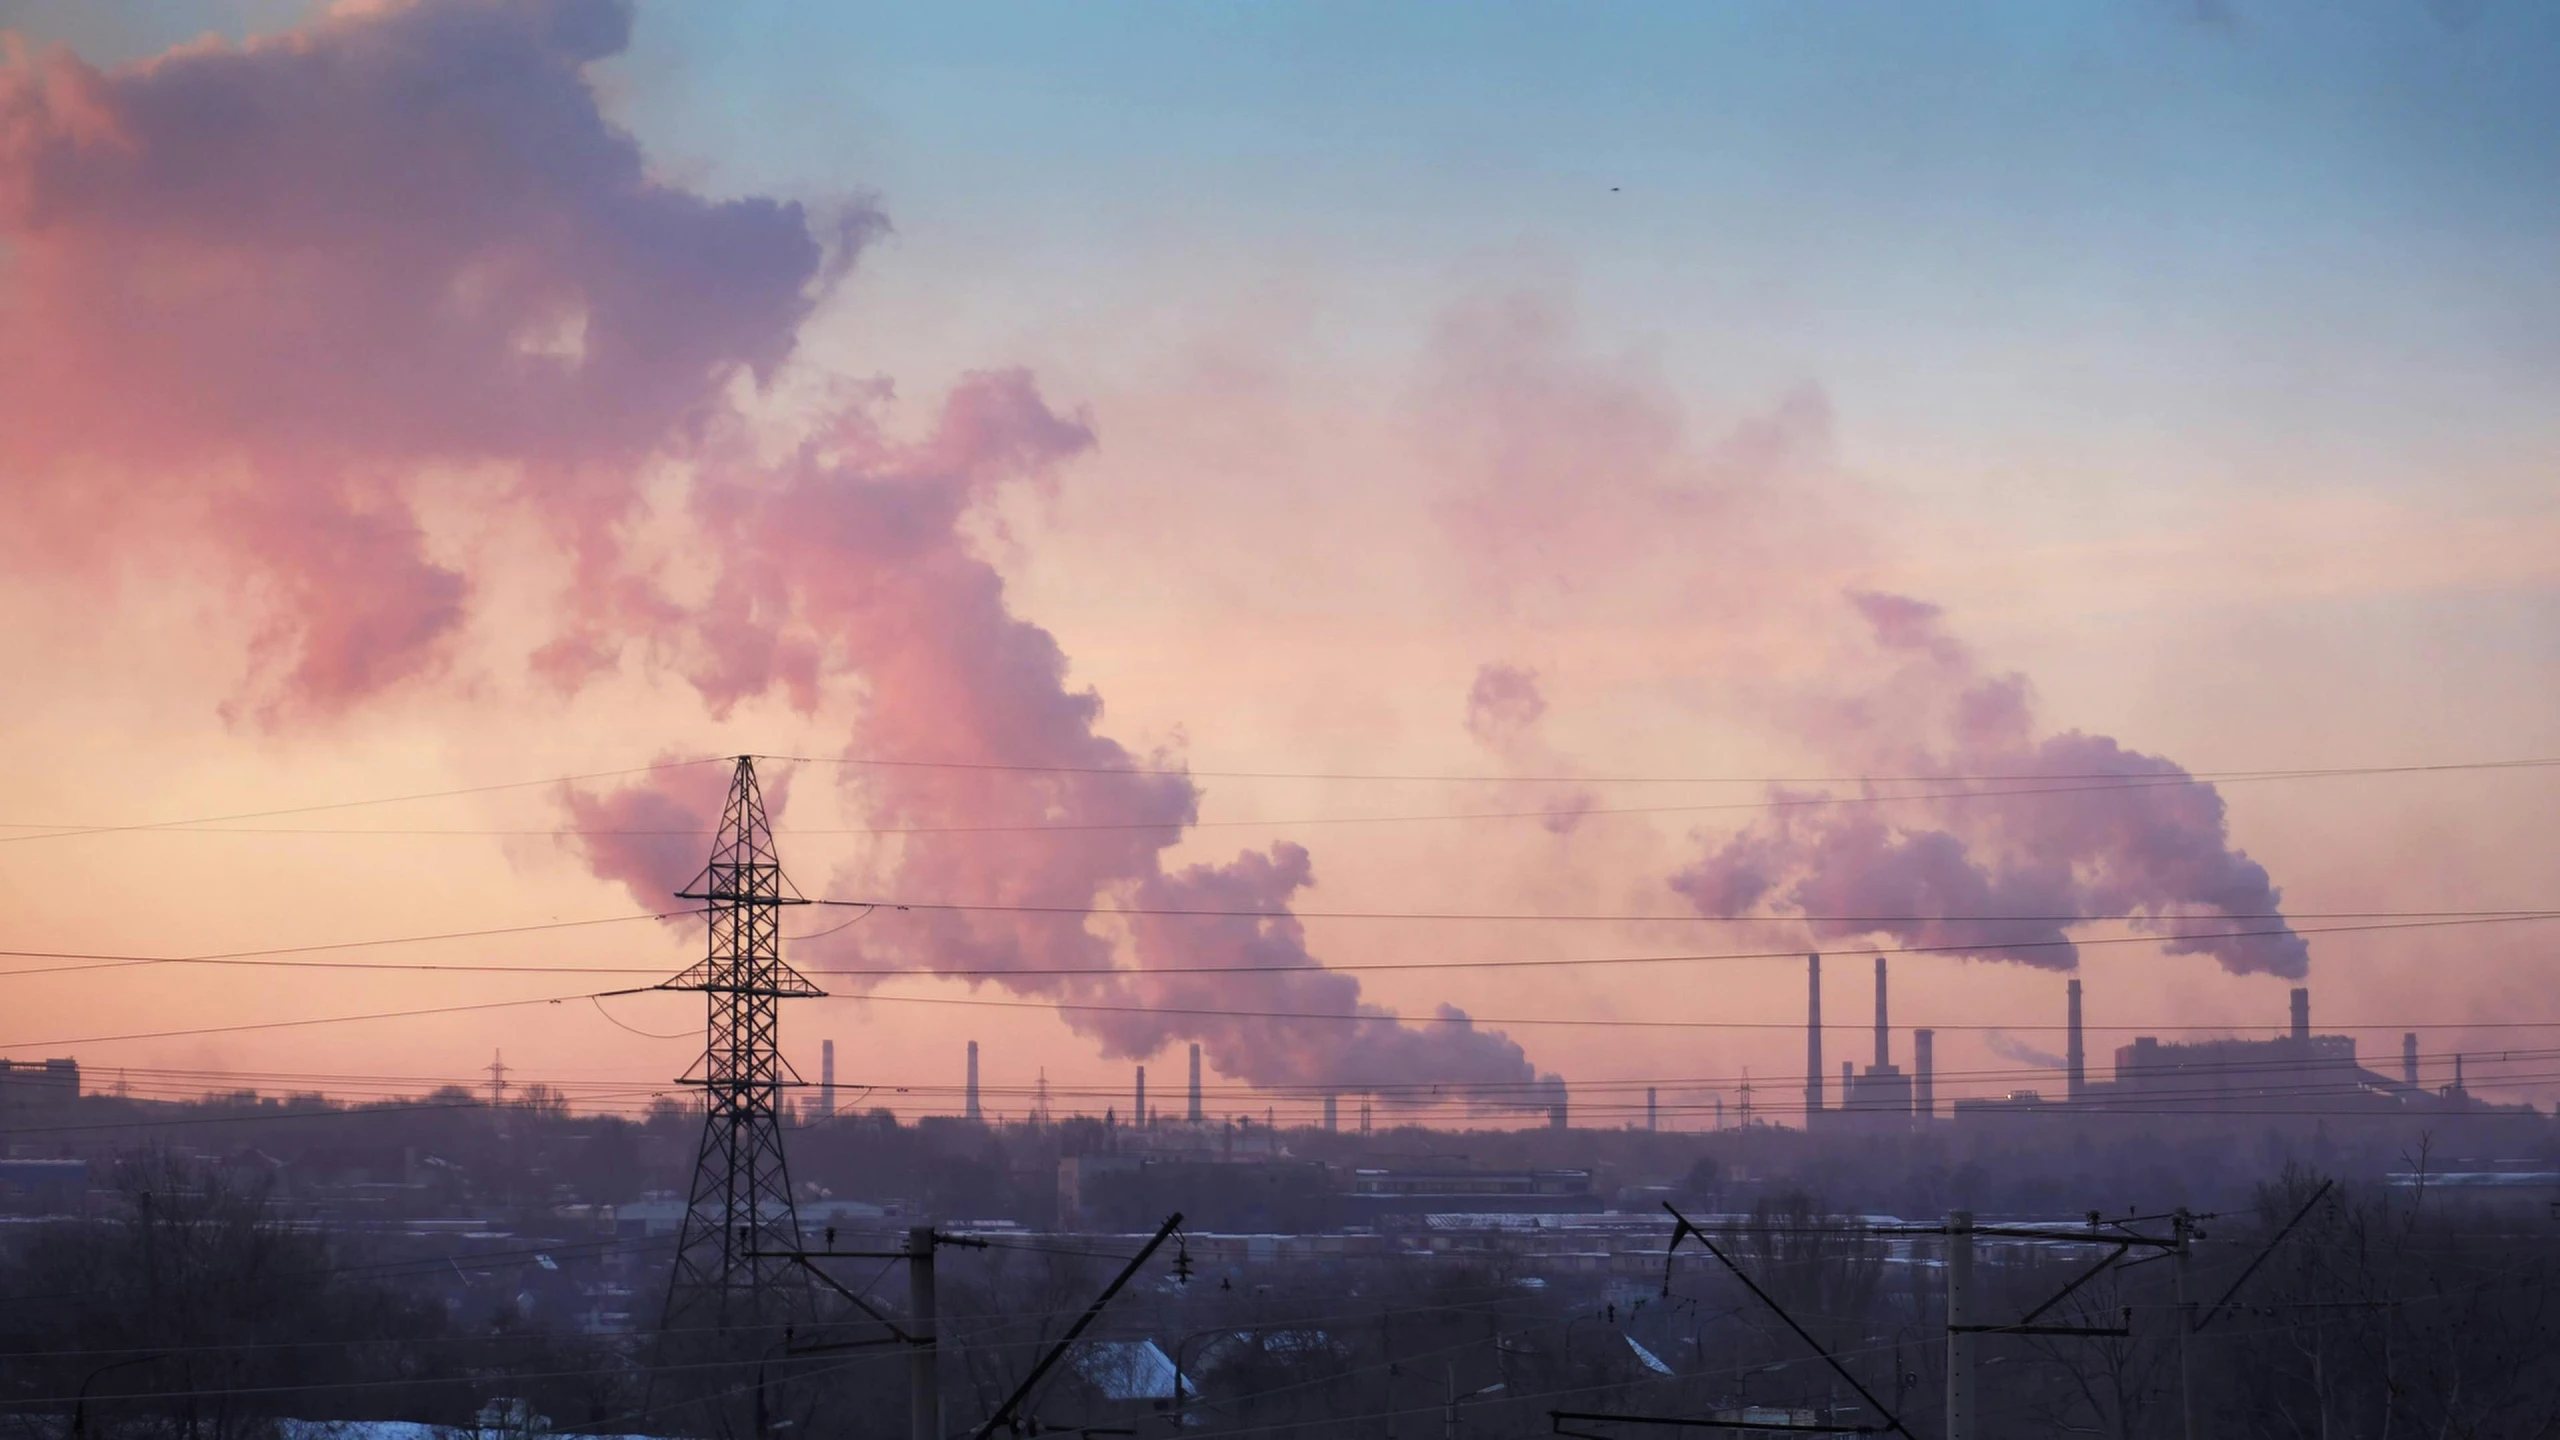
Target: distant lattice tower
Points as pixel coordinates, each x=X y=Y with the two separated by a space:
x=732 y=1265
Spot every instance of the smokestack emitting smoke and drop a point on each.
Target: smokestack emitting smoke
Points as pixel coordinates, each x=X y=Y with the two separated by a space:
x=2301 y=1012
x=1924 y=1073
x=1812 y=1036
x=1197 y=1115
x=1139 y=1114
x=2075 y=1057
x=827 y=1078
x=2409 y=1059
x=1884 y=1044
x=1557 y=1117
x=970 y=1108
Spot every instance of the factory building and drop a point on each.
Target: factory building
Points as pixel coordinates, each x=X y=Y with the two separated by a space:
x=2296 y=1072
x=1880 y=1093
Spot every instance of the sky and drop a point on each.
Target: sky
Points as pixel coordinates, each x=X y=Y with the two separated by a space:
x=1690 y=463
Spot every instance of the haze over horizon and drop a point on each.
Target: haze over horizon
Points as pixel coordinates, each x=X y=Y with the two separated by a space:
x=1929 y=487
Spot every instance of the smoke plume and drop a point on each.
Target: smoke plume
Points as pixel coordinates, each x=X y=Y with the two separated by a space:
x=2010 y=1047
x=276 y=301
x=2009 y=839
x=1578 y=484
x=265 y=294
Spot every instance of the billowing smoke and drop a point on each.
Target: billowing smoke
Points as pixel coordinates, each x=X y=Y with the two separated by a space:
x=850 y=558
x=2010 y=1047
x=255 y=295
x=285 y=298
x=1578 y=483
x=2013 y=839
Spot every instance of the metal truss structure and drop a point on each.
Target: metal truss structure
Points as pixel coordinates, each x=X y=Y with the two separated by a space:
x=732 y=1268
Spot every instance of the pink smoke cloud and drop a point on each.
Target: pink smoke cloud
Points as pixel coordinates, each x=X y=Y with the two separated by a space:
x=268 y=301
x=849 y=558
x=2044 y=831
x=254 y=291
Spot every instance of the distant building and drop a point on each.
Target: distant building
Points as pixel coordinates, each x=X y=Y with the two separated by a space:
x=39 y=1082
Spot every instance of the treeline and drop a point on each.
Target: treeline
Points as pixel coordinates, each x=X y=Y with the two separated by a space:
x=201 y=1313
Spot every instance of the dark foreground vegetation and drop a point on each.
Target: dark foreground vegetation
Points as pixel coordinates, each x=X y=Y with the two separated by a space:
x=200 y=1309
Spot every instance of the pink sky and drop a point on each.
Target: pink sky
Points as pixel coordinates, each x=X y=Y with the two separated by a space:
x=382 y=417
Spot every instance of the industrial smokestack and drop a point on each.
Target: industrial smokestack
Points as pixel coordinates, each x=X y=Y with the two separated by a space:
x=1924 y=1073
x=1141 y=1111
x=1197 y=1115
x=827 y=1078
x=1812 y=1037
x=2409 y=1059
x=1652 y=1109
x=1884 y=1040
x=973 y=1112
x=1556 y=1115
x=2075 y=1058
x=2301 y=1012
x=1331 y=1115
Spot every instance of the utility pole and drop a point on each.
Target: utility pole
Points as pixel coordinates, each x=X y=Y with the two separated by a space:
x=924 y=1357
x=1449 y=1412
x=2182 y=1226
x=1960 y=1339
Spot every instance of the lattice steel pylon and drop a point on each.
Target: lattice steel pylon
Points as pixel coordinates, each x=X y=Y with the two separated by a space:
x=732 y=1268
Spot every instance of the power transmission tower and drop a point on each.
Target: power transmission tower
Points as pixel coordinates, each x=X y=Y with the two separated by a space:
x=732 y=1269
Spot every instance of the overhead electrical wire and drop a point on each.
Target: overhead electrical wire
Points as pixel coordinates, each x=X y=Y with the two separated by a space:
x=71 y=830
x=2191 y=776
x=2104 y=779
x=107 y=961
x=91 y=960
x=1790 y=802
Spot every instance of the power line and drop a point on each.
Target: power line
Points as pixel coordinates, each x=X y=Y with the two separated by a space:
x=2101 y=780
x=256 y=958
x=1792 y=802
x=2183 y=777
x=67 y=831
x=314 y=1020
x=1648 y=917
x=221 y=957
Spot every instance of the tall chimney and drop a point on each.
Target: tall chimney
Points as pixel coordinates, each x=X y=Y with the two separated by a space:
x=1812 y=1037
x=2409 y=1059
x=827 y=1078
x=1141 y=1111
x=2301 y=1012
x=1331 y=1115
x=1884 y=1041
x=1557 y=1116
x=2075 y=1059
x=1196 y=1114
x=1924 y=1073
x=1652 y=1109
x=973 y=1112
